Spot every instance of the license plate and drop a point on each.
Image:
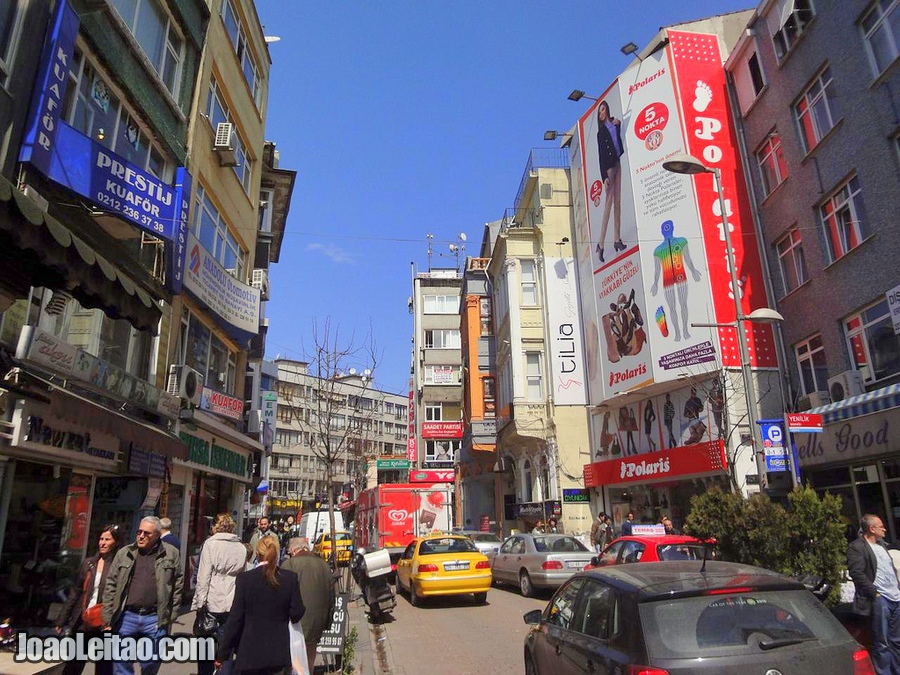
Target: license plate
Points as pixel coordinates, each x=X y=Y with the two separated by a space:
x=576 y=563
x=454 y=567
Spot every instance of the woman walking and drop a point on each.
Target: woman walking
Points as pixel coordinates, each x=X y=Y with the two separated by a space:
x=222 y=558
x=82 y=609
x=266 y=600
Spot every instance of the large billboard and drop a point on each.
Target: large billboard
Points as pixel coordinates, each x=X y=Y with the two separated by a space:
x=566 y=352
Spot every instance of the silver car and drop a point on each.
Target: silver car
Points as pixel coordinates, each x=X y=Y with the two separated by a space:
x=539 y=560
x=486 y=542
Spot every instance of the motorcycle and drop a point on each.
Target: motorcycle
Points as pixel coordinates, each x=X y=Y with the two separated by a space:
x=371 y=571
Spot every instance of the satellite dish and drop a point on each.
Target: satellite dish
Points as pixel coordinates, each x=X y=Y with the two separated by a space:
x=367 y=372
x=353 y=371
x=462 y=236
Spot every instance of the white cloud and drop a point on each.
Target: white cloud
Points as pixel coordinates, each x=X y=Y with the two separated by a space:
x=336 y=253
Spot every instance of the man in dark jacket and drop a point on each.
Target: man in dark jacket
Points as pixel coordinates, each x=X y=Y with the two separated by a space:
x=877 y=592
x=317 y=591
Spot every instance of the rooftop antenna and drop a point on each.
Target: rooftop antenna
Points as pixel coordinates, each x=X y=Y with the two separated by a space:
x=430 y=248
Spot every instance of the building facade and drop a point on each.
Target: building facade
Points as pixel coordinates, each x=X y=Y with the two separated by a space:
x=821 y=147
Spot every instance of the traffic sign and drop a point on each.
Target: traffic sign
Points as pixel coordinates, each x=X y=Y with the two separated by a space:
x=773 y=445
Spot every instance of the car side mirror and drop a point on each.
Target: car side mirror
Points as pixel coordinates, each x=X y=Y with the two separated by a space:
x=595 y=561
x=533 y=618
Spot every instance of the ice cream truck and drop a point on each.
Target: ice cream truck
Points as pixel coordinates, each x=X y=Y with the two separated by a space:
x=390 y=516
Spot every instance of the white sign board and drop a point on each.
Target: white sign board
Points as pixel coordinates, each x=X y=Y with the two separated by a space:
x=893 y=298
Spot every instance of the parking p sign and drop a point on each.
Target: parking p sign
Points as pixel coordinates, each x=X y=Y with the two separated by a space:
x=773 y=445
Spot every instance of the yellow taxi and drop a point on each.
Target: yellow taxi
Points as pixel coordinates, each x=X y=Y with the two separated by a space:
x=443 y=564
x=323 y=547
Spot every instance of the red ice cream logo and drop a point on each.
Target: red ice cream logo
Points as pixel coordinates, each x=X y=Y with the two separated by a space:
x=596 y=191
x=654 y=117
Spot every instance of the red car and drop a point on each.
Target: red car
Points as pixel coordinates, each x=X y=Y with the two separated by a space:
x=652 y=549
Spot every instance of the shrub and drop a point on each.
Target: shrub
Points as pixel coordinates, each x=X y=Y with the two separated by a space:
x=807 y=538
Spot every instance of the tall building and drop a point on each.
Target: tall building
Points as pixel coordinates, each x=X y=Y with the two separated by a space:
x=362 y=429
x=541 y=405
x=813 y=89
x=436 y=392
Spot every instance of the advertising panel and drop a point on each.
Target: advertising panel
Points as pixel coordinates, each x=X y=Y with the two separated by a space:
x=566 y=352
x=236 y=303
x=710 y=136
x=773 y=445
x=442 y=429
x=221 y=404
x=703 y=458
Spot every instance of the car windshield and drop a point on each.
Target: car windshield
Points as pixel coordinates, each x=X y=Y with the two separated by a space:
x=343 y=536
x=683 y=552
x=559 y=545
x=486 y=538
x=720 y=625
x=447 y=545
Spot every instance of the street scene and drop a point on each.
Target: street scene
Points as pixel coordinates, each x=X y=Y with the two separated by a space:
x=395 y=338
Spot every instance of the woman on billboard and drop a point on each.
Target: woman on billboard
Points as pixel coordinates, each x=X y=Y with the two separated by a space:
x=609 y=149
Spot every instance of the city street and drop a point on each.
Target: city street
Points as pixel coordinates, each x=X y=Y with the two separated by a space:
x=453 y=635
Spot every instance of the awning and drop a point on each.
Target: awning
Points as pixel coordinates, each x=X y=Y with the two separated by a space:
x=72 y=407
x=38 y=250
x=880 y=399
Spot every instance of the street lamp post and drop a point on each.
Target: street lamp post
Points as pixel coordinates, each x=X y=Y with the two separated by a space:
x=688 y=165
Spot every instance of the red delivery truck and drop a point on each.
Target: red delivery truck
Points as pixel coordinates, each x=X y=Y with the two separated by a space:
x=392 y=515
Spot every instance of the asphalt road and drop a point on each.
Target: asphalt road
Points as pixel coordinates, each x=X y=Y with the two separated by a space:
x=453 y=636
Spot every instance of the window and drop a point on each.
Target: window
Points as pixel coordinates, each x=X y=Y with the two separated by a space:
x=242 y=49
x=561 y=609
x=811 y=361
x=212 y=231
x=816 y=111
x=156 y=34
x=748 y=77
x=442 y=339
x=843 y=219
x=791 y=18
x=434 y=412
x=597 y=602
x=490 y=403
x=755 y=72
x=529 y=283
x=484 y=310
x=791 y=261
x=534 y=377
x=881 y=28
x=441 y=374
x=874 y=347
x=200 y=349
x=441 y=304
x=770 y=160
x=217 y=111
x=93 y=108
x=10 y=27
x=441 y=451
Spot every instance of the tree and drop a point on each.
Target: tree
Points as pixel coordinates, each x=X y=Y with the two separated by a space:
x=807 y=538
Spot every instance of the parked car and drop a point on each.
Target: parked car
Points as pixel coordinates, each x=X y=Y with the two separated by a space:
x=486 y=542
x=655 y=548
x=443 y=564
x=323 y=547
x=688 y=617
x=539 y=560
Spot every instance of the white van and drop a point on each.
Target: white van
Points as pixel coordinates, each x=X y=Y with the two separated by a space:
x=314 y=523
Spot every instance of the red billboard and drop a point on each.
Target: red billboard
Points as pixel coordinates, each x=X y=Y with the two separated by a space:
x=442 y=429
x=432 y=476
x=702 y=458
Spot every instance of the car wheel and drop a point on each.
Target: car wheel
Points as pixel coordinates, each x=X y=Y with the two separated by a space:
x=530 y=668
x=480 y=598
x=525 y=585
x=414 y=598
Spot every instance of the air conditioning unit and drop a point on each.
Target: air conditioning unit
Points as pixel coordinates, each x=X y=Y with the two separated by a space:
x=185 y=382
x=847 y=384
x=260 y=280
x=813 y=400
x=224 y=144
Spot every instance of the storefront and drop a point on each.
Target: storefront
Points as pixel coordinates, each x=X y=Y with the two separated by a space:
x=392 y=470
x=857 y=456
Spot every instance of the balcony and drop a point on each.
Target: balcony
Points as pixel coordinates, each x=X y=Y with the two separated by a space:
x=541 y=158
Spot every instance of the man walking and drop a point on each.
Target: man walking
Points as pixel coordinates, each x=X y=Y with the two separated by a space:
x=316 y=589
x=143 y=591
x=598 y=532
x=877 y=592
x=628 y=525
x=167 y=536
x=261 y=531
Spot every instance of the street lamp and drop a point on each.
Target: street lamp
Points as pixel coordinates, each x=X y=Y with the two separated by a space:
x=688 y=165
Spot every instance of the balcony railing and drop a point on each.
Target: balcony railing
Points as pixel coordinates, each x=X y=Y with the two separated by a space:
x=541 y=158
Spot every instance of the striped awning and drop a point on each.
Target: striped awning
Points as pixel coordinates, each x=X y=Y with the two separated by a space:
x=864 y=404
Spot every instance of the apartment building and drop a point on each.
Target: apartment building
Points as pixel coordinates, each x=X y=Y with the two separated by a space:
x=813 y=87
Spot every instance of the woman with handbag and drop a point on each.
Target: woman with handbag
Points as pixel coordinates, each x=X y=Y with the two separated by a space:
x=222 y=558
x=82 y=609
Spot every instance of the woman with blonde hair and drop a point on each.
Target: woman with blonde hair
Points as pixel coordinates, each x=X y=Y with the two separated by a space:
x=222 y=558
x=266 y=600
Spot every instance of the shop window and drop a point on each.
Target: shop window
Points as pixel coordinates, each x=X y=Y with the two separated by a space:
x=881 y=30
x=791 y=261
x=12 y=321
x=155 y=32
x=441 y=451
x=816 y=111
x=213 y=232
x=527 y=482
x=843 y=219
x=771 y=164
x=874 y=346
x=813 y=368
x=789 y=19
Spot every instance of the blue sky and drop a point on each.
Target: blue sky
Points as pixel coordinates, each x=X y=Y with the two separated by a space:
x=404 y=118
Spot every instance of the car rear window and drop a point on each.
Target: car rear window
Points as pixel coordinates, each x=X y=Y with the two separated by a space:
x=449 y=545
x=485 y=538
x=559 y=545
x=683 y=552
x=743 y=623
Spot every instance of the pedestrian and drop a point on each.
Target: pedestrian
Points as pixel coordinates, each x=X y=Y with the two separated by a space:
x=610 y=531
x=539 y=528
x=316 y=585
x=553 y=526
x=266 y=600
x=167 y=535
x=628 y=525
x=143 y=591
x=668 y=526
x=288 y=532
x=262 y=530
x=598 y=532
x=82 y=611
x=877 y=592
x=222 y=558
